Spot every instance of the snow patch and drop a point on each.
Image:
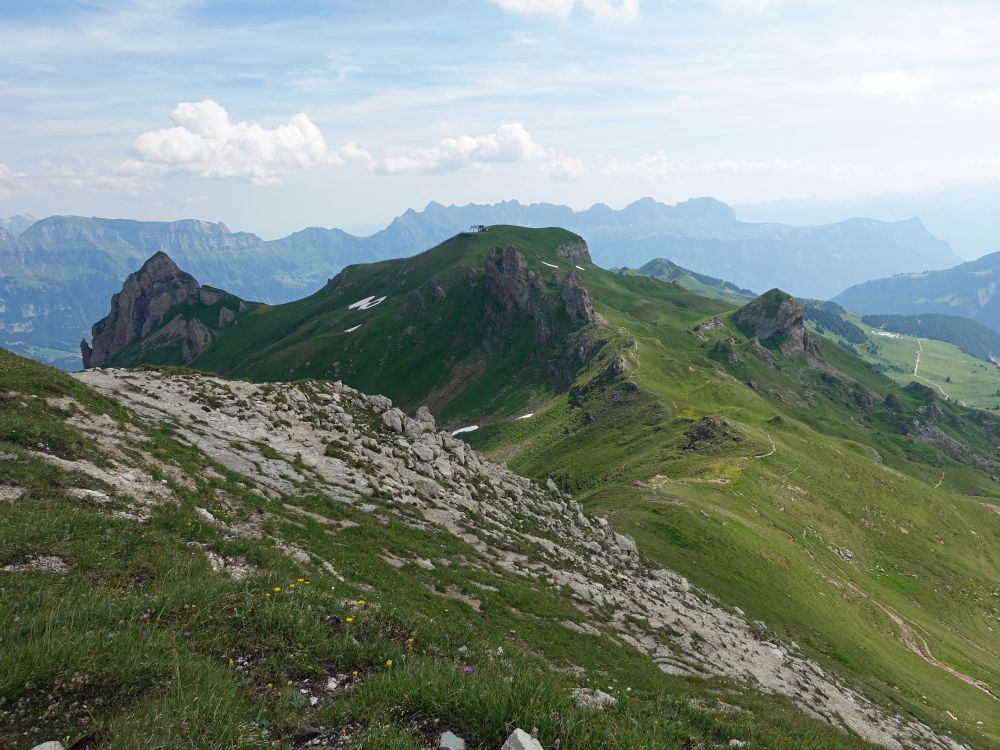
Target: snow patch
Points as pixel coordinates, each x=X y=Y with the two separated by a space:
x=367 y=303
x=581 y=268
x=460 y=430
x=352 y=330
x=525 y=416
x=550 y=265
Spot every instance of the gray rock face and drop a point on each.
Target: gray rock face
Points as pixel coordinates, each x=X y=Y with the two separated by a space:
x=146 y=299
x=574 y=251
x=425 y=418
x=521 y=740
x=517 y=289
x=777 y=316
x=139 y=307
x=577 y=300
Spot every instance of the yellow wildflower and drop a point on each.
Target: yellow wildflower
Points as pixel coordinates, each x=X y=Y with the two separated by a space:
x=361 y=602
x=348 y=619
x=291 y=585
x=300 y=580
x=388 y=662
x=277 y=589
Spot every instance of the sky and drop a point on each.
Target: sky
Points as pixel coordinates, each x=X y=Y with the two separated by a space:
x=274 y=116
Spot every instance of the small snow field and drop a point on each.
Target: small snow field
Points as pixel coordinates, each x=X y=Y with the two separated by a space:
x=550 y=265
x=581 y=268
x=460 y=430
x=887 y=334
x=352 y=330
x=367 y=303
x=525 y=416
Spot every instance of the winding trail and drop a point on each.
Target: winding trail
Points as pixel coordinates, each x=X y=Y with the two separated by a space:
x=771 y=452
x=916 y=369
x=916 y=643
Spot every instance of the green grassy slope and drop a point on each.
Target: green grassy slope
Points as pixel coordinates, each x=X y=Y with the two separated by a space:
x=138 y=643
x=792 y=487
x=420 y=348
x=973 y=381
x=699 y=283
x=844 y=527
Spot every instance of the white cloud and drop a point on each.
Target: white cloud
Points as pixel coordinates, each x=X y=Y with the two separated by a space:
x=656 y=166
x=604 y=10
x=894 y=83
x=508 y=143
x=204 y=141
x=562 y=167
x=747 y=6
x=9 y=180
x=69 y=173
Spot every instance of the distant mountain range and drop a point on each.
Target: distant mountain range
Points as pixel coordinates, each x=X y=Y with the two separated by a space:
x=58 y=272
x=966 y=217
x=705 y=236
x=15 y=225
x=970 y=290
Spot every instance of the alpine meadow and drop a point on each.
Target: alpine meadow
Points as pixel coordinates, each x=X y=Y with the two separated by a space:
x=499 y=375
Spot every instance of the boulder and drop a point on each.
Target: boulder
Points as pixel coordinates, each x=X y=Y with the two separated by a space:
x=521 y=740
x=593 y=699
x=451 y=741
x=425 y=417
x=393 y=419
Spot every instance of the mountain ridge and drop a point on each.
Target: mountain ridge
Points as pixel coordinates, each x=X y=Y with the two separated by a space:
x=968 y=290
x=59 y=271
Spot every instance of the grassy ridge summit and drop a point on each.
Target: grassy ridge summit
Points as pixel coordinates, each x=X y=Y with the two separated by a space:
x=699 y=283
x=845 y=512
x=459 y=327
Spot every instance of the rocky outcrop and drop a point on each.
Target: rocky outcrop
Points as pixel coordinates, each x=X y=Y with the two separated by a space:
x=517 y=289
x=574 y=251
x=147 y=299
x=712 y=324
x=577 y=300
x=776 y=319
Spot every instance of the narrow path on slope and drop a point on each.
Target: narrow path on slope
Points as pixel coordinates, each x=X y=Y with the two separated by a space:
x=916 y=368
x=771 y=452
x=916 y=643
